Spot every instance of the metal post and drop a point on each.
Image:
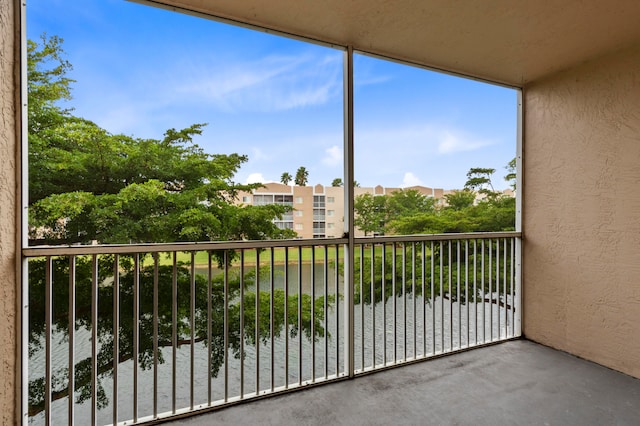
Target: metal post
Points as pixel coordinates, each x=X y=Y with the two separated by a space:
x=94 y=341
x=519 y=201
x=48 y=319
x=286 y=317
x=348 y=215
x=72 y=333
x=174 y=331
x=116 y=337
x=155 y=334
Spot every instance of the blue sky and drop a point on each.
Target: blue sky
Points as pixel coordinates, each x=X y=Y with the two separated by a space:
x=140 y=70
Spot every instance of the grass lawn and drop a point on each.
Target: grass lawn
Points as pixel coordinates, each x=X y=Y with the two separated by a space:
x=250 y=256
x=201 y=257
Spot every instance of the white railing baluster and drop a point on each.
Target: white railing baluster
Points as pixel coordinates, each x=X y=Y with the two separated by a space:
x=155 y=334
x=272 y=317
x=174 y=333
x=72 y=336
x=362 y=327
x=433 y=300
x=326 y=311
x=94 y=340
x=257 y=321
x=286 y=317
x=241 y=324
x=313 y=314
x=48 y=318
x=394 y=294
x=209 y=325
x=225 y=321
x=373 y=307
x=300 y=316
x=384 y=305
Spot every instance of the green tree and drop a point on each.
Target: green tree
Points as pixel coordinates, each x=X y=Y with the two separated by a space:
x=408 y=202
x=302 y=176
x=87 y=184
x=479 y=180
x=370 y=213
x=460 y=200
x=336 y=182
x=511 y=173
x=285 y=178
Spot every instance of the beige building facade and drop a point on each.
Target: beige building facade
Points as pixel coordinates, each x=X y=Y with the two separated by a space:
x=318 y=211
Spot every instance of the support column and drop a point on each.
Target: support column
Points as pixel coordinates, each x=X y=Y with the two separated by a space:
x=348 y=213
x=9 y=190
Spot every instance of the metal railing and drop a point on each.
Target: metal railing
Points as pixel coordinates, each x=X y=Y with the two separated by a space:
x=136 y=333
x=421 y=296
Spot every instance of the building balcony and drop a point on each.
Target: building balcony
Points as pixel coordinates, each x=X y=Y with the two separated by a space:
x=578 y=67
x=165 y=330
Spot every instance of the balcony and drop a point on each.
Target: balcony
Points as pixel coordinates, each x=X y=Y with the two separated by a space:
x=578 y=68
x=152 y=320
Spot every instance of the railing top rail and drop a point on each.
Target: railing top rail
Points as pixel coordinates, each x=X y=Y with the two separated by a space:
x=435 y=237
x=79 y=250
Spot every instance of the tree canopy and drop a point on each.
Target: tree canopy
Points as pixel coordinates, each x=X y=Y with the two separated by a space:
x=285 y=178
x=87 y=184
x=409 y=212
x=302 y=176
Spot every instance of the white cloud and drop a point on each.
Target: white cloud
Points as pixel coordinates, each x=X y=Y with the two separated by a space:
x=439 y=154
x=333 y=157
x=268 y=84
x=138 y=103
x=410 y=180
x=451 y=141
x=255 y=178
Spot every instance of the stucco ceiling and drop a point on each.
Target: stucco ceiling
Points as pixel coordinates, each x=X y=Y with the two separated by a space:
x=508 y=41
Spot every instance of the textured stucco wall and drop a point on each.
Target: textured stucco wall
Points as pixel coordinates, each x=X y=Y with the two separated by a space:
x=8 y=145
x=582 y=211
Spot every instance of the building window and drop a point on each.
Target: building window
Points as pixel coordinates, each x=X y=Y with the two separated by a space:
x=245 y=199
x=331 y=199
x=262 y=200
x=298 y=213
x=284 y=225
x=318 y=201
x=318 y=214
x=318 y=228
x=286 y=222
x=330 y=225
x=330 y=213
x=298 y=200
x=286 y=200
x=298 y=227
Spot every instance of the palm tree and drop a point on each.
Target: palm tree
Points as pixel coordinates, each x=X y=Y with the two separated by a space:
x=302 y=176
x=286 y=178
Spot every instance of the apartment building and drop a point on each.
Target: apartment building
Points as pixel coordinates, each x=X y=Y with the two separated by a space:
x=318 y=210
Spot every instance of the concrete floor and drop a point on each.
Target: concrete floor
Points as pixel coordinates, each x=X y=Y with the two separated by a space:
x=513 y=383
